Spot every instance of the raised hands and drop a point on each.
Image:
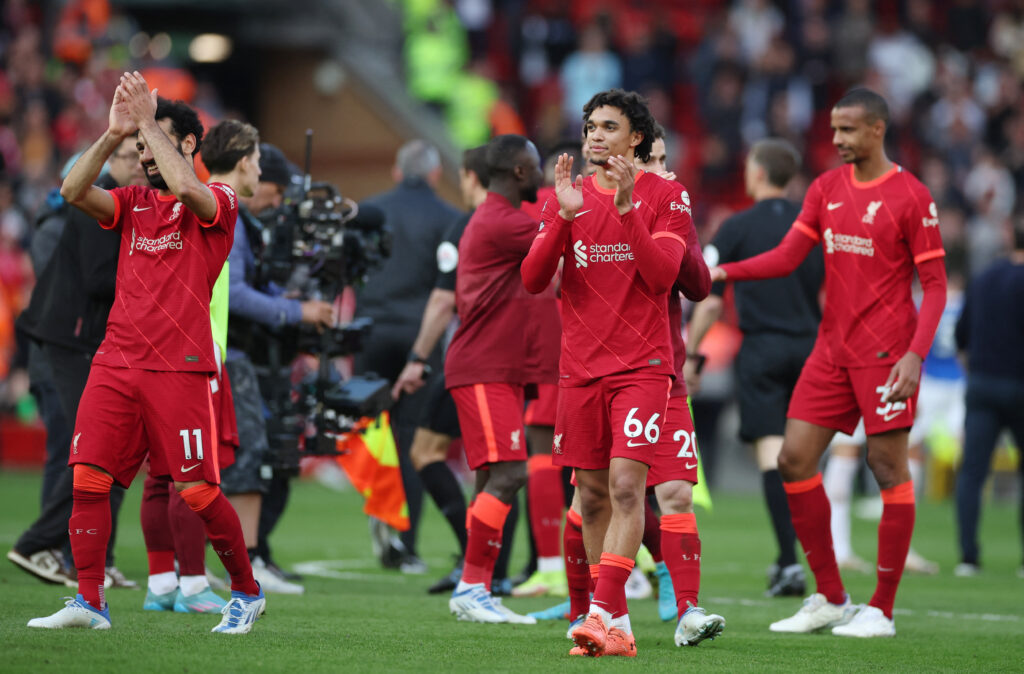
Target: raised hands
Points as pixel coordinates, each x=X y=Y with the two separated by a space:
x=138 y=101
x=623 y=174
x=120 y=122
x=568 y=191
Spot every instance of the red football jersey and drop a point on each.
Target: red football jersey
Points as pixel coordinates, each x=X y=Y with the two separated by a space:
x=675 y=326
x=166 y=269
x=502 y=328
x=873 y=234
x=611 y=320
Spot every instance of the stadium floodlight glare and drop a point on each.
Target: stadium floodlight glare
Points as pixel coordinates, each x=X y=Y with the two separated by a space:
x=160 y=46
x=209 y=48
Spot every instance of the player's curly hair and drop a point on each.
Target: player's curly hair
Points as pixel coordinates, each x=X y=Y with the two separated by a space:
x=184 y=119
x=635 y=108
x=227 y=143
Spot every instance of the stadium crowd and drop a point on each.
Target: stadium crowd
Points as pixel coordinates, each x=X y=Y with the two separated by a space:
x=719 y=75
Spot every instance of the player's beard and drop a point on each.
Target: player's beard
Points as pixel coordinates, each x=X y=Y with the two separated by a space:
x=157 y=180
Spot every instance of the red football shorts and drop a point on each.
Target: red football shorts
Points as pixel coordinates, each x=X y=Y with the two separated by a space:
x=491 y=418
x=125 y=413
x=620 y=415
x=676 y=457
x=227 y=424
x=543 y=409
x=837 y=397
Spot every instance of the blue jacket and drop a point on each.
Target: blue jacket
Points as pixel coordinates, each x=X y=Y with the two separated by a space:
x=245 y=300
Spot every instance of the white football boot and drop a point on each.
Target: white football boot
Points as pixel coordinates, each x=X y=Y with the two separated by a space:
x=816 y=613
x=869 y=621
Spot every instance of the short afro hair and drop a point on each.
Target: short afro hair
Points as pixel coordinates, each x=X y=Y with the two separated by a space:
x=184 y=120
x=635 y=108
x=874 y=105
x=504 y=152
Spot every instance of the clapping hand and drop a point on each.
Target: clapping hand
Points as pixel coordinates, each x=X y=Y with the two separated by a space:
x=568 y=191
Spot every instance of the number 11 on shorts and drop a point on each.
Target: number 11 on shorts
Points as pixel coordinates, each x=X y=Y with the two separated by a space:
x=197 y=433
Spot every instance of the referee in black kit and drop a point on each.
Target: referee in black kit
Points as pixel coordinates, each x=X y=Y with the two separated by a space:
x=779 y=321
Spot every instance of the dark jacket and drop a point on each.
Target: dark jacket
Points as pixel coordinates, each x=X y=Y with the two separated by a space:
x=73 y=294
x=396 y=293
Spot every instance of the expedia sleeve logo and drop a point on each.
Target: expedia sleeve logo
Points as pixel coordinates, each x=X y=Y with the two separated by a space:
x=230 y=193
x=683 y=205
x=933 y=216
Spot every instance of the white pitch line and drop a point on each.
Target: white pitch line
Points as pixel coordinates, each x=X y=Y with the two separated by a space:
x=347 y=569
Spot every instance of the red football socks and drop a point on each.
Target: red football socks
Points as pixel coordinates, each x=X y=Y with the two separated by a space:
x=544 y=490
x=155 y=529
x=89 y=530
x=652 y=532
x=225 y=534
x=610 y=590
x=809 y=508
x=680 y=543
x=487 y=517
x=189 y=536
x=577 y=570
x=894 y=532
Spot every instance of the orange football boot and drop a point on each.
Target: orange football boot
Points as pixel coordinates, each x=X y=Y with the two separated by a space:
x=591 y=635
x=620 y=643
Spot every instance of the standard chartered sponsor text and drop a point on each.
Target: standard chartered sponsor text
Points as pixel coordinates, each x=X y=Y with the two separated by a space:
x=170 y=241
x=611 y=252
x=848 y=243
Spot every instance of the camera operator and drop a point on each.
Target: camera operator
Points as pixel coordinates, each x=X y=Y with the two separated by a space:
x=395 y=296
x=250 y=301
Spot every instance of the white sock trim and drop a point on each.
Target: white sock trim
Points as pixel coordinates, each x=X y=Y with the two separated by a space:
x=549 y=564
x=162 y=583
x=191 y=585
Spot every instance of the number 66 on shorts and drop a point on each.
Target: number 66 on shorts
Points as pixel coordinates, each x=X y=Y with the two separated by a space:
x=619 y=415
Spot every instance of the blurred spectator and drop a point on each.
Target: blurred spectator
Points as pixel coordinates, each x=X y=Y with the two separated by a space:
x=588 y=70
x=757 y=23
x=777 y=99
x=905 y=64
x=852 y=33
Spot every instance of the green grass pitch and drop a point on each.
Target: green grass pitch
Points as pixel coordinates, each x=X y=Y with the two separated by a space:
x=365 y=619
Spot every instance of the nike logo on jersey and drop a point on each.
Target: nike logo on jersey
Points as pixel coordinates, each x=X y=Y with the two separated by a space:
x=584 y=212
x=139 y=210
x=833 y=207
x=636 y=444
x=892 y=415
x=185 y=470
x=637 y=203
x=691 y=466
